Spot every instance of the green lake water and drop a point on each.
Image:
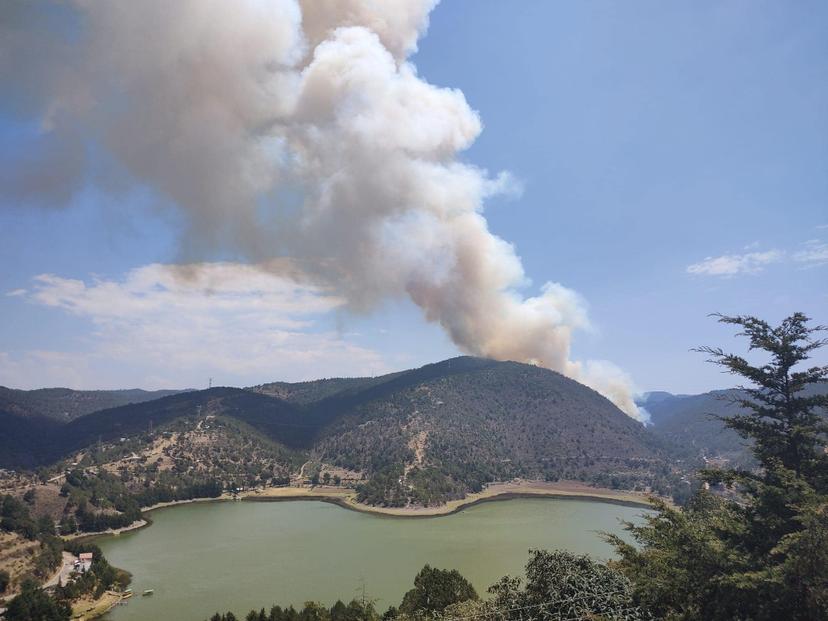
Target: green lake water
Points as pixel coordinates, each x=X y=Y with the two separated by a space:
x=206 y=557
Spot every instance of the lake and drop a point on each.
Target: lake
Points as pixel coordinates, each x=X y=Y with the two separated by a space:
x=206 y=557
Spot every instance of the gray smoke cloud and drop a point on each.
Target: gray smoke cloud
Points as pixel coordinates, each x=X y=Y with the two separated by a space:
x=294 y=130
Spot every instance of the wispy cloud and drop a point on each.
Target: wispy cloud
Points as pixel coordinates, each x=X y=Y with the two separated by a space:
x=175 y=328
x=734 y=264
x=811 y=253
x=814 y=253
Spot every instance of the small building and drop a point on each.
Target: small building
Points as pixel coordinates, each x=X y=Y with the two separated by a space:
x=84 y=561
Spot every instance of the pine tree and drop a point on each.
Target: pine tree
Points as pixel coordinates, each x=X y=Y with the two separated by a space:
x=765 y=555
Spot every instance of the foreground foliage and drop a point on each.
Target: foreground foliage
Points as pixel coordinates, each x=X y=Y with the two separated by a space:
x=557 y=585
x=355 y=611
x=760 y=550
x=560 y=584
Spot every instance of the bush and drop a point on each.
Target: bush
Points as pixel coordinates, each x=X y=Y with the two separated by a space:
x=436 y=589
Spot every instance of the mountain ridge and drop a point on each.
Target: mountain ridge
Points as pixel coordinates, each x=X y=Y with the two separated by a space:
x=429 y=433
x=66 y=404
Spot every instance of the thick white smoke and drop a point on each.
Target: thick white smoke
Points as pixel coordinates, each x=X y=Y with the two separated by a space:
x=295 y=130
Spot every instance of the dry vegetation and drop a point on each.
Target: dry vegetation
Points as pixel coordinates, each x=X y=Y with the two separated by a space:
x=17 y=556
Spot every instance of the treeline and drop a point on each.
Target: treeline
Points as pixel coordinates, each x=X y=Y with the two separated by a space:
x=209 y=488
x=354 y=611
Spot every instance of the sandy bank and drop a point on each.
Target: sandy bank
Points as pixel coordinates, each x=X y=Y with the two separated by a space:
x=110 y=531
x=85 y=609
x=345 y=497
x=493 y=492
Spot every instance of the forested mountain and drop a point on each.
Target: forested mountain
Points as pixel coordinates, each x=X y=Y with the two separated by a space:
x=465 y=421
x=65 y=404
x=422 y=435
x=690 y=422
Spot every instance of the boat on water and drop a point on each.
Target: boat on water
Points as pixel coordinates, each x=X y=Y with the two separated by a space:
x=148 y=592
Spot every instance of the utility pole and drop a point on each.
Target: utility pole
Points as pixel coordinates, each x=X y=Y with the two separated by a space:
x=362 y=588
x=210 y=383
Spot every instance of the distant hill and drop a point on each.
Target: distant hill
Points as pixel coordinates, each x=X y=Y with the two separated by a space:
x=65 y=404
x=689 y=422
x=421 y=435
x=43 y=440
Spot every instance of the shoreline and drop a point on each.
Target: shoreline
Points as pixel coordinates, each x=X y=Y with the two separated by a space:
x=142 y=523
x=346 y=498
x=493 y=493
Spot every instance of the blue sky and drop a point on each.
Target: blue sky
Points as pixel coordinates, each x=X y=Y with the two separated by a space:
x=673 y=160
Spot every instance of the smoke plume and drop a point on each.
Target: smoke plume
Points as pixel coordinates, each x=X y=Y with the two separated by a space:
x=293 y=130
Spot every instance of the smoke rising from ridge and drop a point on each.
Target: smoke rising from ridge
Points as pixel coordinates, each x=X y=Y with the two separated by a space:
x=295 y=130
